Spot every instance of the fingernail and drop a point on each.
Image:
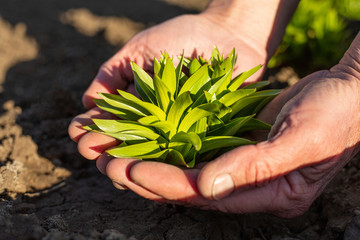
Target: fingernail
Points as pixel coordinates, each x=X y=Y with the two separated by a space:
x=119 y=186
x=223 y=186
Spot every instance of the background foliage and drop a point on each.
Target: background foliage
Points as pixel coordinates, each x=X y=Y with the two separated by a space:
x=318 y=34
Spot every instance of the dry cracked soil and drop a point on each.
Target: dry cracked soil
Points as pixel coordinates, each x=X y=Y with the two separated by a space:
x=49 y=53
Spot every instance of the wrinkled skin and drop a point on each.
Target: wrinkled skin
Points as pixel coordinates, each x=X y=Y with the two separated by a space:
x=315 y=133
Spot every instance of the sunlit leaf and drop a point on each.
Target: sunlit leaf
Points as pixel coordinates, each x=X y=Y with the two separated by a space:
x=178 y=108
x=196 y=114
x=194 y=66
x=121 y=113
x=143 y=83
x=257 y=85
x=238 y=80
x=135 y=150
x=162 y=93
x=196 y=81
x=232 y=97
x=216 y=142
x=169 y=77
x=190 y=137
x=151 y=108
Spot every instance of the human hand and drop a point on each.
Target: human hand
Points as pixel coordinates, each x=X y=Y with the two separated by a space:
x=316 y=132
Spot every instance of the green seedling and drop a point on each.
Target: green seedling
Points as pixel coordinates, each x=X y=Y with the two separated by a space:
x=185 y=114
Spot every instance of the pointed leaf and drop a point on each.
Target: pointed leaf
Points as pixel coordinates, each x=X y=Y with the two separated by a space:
x=254 y=124
x=113 y=126
x=135 y=150
x=159 y=156
x=237 y=81
x=124 y=104
x=143 y=83
x=162 y=93
x=178 y=108
x=175 y=158
x=190 y=137
x=169 y=77
x=194 y=66
x=231 y=128
x=257 y=85
x=157 y=67
x=149 y=107
x=196 y=114
x=221 y=84
x=121 y=113
x=253 y=98
x=216 y=142
x=232 y=97
x=196 y=81
x=178 y=69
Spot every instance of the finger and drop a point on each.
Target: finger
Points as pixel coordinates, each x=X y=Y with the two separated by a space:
x=75 y=129
x=118 y=171
x=174 y=182
x=295 y=145
x=114 y=74
x=286 y=197
x=102 y=161
x=92 y=145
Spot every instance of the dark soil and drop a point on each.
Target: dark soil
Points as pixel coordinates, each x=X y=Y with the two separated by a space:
x=49 y=53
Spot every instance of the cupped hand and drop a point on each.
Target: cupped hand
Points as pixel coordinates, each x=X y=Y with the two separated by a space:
x=193 y=34
x=316 y=132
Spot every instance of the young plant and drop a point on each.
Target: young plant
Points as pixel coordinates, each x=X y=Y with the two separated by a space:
x=187 y=114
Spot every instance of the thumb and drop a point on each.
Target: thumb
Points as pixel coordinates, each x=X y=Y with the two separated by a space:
x=293 y=146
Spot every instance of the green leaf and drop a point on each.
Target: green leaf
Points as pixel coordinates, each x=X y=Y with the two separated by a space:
x=157 y=67
x=196 y=114
x=135 y=150
x=216 y=142
x=231 y=128
x=221 y=84
x=113 y=126
x=167 y=128
x=222 y=69
x=232 y=97
x=178 y=70
x=257 y=85
x=143 y=83
x=178 y=108
x=169 y=77
x=125 y=136
x=91 y=127
x=253 y=98
x=121 y=113
x=238 y=80
x=159 y=156
x=194 y=66
x=190 y=137
x=254 y=124
x=162 y=93
x=124 y=104
x=149 y=107
x=175 y=158
x=196 y=81
x=216 y=58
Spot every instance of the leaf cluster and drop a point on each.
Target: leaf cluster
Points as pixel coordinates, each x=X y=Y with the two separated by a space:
x=185 y=114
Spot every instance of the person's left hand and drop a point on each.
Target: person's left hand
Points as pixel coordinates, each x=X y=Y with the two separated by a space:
x=316 y=132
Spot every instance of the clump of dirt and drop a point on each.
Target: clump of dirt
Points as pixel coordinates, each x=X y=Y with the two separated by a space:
x=21 y=168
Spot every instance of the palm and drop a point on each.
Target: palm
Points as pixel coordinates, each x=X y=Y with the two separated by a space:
x=290 y=168
x=189 y=33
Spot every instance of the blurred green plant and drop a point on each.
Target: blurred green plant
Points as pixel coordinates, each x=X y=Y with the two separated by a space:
x=317 y=36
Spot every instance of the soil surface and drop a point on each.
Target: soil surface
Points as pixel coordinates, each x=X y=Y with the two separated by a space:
x=49 y=53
